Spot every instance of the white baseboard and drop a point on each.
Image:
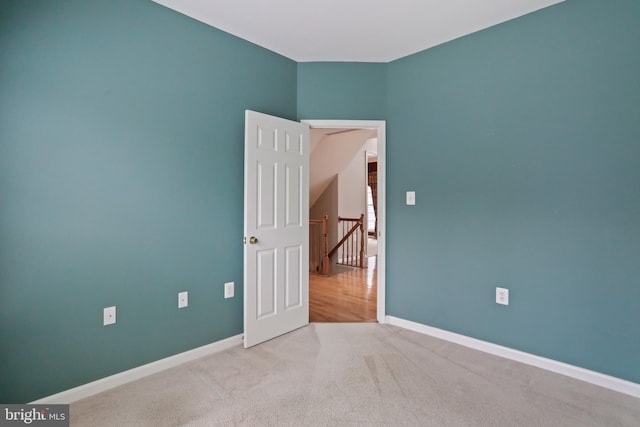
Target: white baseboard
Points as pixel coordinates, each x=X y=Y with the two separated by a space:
x=602 y=380
x=103 y=384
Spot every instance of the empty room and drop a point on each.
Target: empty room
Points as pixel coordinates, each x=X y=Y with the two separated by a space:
x=154 y=211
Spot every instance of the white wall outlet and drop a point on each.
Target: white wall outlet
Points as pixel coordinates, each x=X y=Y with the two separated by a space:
x=411 y=198
x=502 y=296
x=228 y=289
x=109 y=315
x=183 y=299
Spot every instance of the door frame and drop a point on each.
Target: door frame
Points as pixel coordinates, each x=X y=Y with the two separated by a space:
x=380 y=126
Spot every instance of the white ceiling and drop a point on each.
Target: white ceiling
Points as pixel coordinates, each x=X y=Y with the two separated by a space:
x=352 y=30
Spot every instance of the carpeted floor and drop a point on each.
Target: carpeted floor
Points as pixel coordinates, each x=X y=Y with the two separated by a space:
x=360 y=374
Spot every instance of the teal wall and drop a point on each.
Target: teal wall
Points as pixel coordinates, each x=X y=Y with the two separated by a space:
x=121 y=157
x=342 y=90
x=121 y=180
x=522 y=143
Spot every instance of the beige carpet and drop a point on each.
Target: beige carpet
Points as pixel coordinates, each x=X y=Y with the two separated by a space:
x=356 y=375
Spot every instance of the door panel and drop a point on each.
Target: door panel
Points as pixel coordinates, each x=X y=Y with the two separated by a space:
x=276 y=262
x=293 y=194
x=293 y=279
x=266 y=196
x=266 y=283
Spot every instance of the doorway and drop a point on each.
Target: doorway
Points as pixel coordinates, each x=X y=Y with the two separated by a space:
x=376 y=268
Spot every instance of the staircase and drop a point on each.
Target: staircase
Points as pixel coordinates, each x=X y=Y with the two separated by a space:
x=349 y=249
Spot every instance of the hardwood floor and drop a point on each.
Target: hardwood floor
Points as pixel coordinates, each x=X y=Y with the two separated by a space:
x=347 y=296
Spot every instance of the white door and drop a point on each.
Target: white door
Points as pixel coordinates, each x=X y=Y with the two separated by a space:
x=276 y=227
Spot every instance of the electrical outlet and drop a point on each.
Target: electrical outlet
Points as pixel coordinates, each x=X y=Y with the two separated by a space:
x=109 y=315
x=183 y=299
x=228 y=289
x=502 y=296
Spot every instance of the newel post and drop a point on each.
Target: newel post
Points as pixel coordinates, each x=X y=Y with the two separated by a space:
x=325 y=249
x=362 y=237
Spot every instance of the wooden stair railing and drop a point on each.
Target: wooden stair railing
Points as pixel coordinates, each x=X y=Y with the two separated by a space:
x=350 y=248
x=319 y=246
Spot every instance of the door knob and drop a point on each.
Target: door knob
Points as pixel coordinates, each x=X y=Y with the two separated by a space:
x=253 y=240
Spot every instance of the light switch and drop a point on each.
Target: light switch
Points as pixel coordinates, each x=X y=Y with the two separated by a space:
x=411 y=198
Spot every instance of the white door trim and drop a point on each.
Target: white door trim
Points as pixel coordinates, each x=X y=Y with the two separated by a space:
x=380 y=126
